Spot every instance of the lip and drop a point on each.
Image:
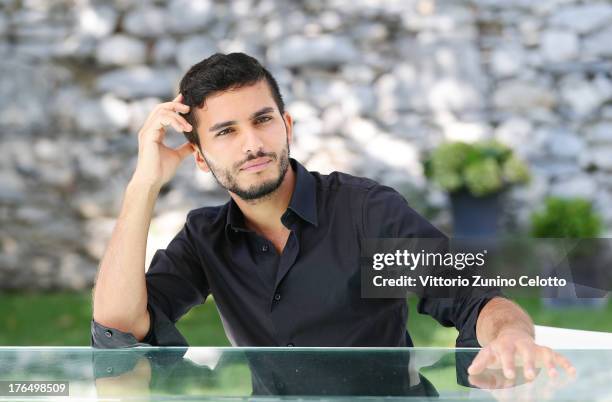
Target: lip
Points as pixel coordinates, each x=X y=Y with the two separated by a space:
x=256 y=165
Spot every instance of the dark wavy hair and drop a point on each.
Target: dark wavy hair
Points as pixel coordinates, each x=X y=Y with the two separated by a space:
x=221 y=72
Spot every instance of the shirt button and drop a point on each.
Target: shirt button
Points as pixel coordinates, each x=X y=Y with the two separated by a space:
x=277 y=297
x=290 y=344
x=264 y=248
x=108 y=334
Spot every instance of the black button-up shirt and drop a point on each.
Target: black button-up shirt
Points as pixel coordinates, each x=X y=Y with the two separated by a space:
x=308 y=295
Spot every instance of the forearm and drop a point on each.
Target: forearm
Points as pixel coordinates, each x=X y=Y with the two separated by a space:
x=120 y=295
x=498 y=315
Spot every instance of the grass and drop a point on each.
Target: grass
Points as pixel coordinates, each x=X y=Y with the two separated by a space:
x=63 y=319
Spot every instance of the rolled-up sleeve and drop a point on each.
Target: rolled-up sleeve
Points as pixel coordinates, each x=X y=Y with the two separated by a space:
x=387 y=215
x=176 y=282
x=104 y=337
x=461 y=312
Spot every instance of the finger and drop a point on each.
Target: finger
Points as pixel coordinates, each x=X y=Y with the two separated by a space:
x=179 y=123
x=507 y=383
x=548 y=361
x=527 y=355
x=175 y=107
x=166 y=120
x=184 y=150
x=506 y=357
x=565 y=363
x=488 y=379
x=481 y=361
x=184 y=123
x=484 y=381
x=179 y=98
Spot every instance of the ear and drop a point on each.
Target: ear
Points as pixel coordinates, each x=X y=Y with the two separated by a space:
x=289 y=124
x=199 y=159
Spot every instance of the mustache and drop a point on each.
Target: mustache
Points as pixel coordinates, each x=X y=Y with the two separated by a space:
x=250 y=157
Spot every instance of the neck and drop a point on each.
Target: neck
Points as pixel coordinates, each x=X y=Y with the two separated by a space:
x=264 y=215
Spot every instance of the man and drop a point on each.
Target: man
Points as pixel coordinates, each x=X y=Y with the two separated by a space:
x=281 y=258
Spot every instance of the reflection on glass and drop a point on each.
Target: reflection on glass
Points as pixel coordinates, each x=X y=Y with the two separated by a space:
x=143 y=374
x=255 y=372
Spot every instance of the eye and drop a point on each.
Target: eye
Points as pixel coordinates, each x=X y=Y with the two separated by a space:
x=224 y=132
x=263 y=119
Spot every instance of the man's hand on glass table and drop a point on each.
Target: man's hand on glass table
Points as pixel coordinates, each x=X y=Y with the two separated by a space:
x=503 y=389
x=514 y=348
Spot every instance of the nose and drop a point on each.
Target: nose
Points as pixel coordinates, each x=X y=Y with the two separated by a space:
x=251 y=141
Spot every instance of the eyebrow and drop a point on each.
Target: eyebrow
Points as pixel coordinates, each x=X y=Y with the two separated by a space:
x=225 y=124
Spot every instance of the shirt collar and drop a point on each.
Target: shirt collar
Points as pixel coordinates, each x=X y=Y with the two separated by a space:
x=303 y=200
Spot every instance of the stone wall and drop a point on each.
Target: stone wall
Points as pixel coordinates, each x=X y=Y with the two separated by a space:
x=371 y=85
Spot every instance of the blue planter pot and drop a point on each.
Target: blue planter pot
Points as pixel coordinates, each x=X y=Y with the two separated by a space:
x=475 y=216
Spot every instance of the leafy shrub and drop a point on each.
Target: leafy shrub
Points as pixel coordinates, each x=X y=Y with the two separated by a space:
x=566 y=218
x=481 y=168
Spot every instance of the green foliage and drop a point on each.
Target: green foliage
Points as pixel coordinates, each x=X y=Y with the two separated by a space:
x=566 y=218
x=482 y=168
x=483 y=177
x=62 y=319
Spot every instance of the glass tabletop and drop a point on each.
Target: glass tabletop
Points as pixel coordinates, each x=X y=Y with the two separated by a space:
x=203 y=373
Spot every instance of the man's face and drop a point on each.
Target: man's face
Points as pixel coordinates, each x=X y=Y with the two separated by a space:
x=244 y=140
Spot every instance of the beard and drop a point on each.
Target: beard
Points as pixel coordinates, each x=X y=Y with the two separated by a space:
x=227 y=177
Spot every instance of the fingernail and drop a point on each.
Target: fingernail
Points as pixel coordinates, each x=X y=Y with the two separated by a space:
x=510 y=374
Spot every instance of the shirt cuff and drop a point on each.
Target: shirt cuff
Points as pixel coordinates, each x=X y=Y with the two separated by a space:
x=162 y=332
x=104 y=337
x=467 y=337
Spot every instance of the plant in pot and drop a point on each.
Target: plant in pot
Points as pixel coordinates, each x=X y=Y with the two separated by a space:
x=475 y=175
x=573 y=228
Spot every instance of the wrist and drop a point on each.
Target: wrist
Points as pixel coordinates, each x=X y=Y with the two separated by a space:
x=143 y=185
x=516 y=330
